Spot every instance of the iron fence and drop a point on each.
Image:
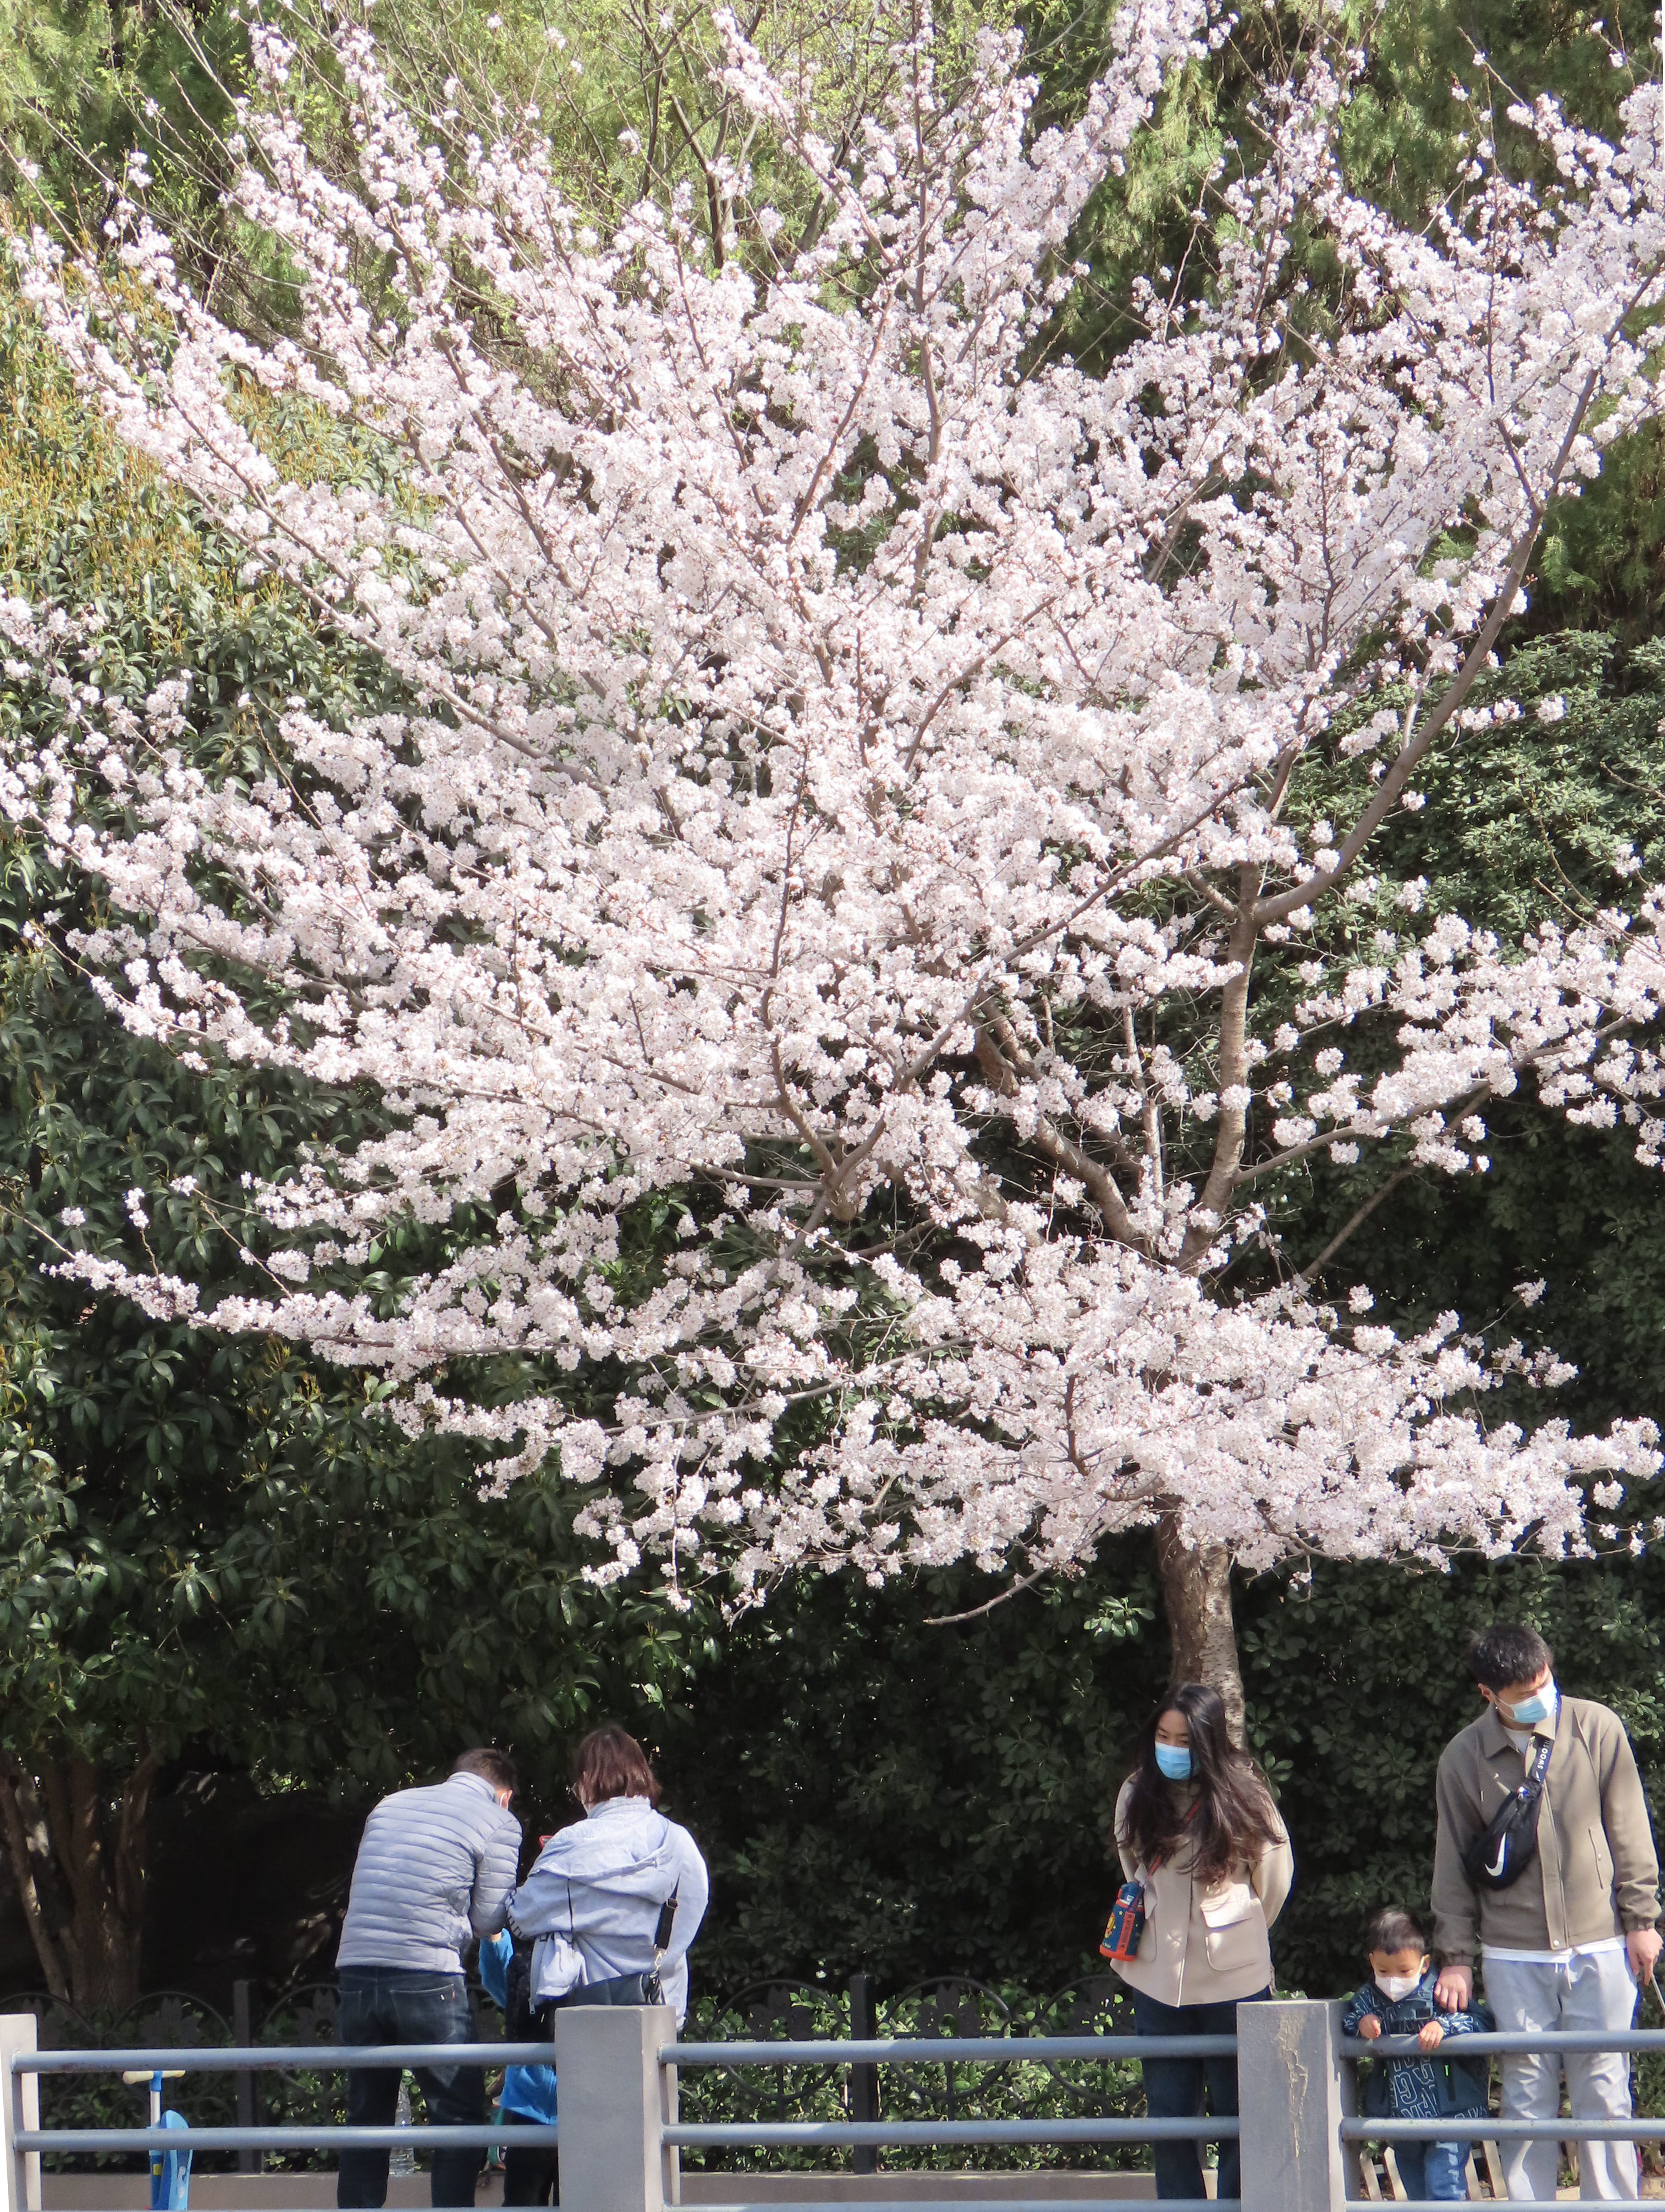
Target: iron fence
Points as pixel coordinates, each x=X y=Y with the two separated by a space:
x=620 y=2134
x=1011 y=2078
x=631 y=2105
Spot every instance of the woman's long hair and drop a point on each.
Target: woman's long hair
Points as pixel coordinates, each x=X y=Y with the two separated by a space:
x=1233 y=1820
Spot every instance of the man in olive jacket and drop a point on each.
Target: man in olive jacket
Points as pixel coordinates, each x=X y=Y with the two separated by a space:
x=1565 y=1946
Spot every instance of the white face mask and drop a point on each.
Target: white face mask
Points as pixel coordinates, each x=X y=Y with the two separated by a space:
x=1395 y=1986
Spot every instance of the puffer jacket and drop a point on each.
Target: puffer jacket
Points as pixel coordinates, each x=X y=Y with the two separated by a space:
x=434 y=1868
x=596 y=1891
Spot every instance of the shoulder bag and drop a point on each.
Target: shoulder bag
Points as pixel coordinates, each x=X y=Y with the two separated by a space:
x=625 y=1988
x=1507 y=1846
x=1126 y=1930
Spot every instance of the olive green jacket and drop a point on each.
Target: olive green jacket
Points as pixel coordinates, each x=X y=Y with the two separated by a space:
x=1596 y=1873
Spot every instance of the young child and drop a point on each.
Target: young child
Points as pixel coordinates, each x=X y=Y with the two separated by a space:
x=1399 y=2000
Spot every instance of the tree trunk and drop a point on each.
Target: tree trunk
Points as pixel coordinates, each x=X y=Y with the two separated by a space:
x=78 y=1844
x=1196 y=1593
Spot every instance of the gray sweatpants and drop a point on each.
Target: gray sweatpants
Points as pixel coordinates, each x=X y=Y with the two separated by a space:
x=1532 y=1997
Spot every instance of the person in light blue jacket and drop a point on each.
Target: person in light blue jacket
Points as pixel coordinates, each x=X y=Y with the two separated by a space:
x=531 y=2172
x=594 y=1900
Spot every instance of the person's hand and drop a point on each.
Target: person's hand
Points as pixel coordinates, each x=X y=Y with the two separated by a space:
x=1370 y=2027
x=1454 y=1989
x=1430 y=2035
x=1642 y=1946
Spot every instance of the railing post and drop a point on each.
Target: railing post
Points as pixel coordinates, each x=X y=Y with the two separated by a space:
x=616 y=2099
x=248 y=2081
x=19 y=2107
x=1289 y=2098
x=863 y=2075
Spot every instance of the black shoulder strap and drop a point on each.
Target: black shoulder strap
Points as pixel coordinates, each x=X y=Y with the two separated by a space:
x=667 y=1921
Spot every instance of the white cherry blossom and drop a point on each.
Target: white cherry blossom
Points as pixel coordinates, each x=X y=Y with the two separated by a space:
x=854 y=758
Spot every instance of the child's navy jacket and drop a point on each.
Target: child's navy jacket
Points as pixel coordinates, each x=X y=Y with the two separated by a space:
x=1434 y=2085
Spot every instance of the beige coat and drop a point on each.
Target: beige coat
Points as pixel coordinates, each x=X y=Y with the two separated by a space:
x=1596 y=1874
x=1205 y=1945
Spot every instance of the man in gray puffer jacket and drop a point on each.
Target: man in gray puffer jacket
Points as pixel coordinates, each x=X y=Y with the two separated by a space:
x=434 y=1868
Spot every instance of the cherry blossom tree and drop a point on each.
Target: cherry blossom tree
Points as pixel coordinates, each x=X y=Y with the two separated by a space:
x=877 y=783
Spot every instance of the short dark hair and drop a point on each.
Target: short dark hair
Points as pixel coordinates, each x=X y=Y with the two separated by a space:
x=611 y=1763
x=491 y=1766
x=1502 y=1655
x=1393 y=1928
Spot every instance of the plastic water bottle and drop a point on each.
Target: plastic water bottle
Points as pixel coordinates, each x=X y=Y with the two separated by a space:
x=403 y=2160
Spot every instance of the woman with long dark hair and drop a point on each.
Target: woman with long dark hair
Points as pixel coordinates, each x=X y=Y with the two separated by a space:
x=1195 y=1824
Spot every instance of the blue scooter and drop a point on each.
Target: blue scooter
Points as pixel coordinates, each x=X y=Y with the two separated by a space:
x=170 y=2170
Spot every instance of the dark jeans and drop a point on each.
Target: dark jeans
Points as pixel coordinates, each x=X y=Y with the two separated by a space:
x=406 y=2004
x=1174 y=2090
x=532 y=2176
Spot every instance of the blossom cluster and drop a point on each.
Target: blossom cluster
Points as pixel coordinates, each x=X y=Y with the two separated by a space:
x=847 y=745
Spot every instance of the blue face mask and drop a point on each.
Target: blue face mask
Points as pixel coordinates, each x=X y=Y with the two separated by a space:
x=1530 y=1711
x=1174 y=1761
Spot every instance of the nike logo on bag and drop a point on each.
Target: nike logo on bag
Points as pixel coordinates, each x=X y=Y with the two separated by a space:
x=1495 y=1867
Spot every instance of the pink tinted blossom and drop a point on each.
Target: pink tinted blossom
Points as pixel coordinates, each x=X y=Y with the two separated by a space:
x=825 y=764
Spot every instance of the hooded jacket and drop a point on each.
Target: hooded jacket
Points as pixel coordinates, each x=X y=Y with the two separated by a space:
x=592 y=1903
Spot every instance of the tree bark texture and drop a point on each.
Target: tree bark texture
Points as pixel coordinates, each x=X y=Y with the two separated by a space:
x=78 y=1844
x=1196 y=1594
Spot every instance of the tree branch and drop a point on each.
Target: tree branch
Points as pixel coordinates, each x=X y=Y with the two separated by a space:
x=1062 y=1151
x=1357 y=1220
x=1300 y=895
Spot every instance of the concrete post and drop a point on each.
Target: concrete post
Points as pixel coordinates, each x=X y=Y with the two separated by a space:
x=615 y=2099
x=1290 y=2096
x=19 y=2107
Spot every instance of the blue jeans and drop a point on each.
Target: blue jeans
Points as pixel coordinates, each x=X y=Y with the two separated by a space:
x=1434 y=2170
x=407 y=2004
x=1175 y=2087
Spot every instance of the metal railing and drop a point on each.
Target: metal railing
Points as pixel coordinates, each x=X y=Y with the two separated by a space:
x=911 y=2050
x=952 y=2008
x=316 y=2058
x=621 y=2131
x=1497 y=2127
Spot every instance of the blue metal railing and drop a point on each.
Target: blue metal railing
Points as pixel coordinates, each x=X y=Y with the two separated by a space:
x=299 y=2058
x=784 y=2135
x=955 y=2051
x=311 y=2058
x=319 y=2058
x=1482 y=2046
x=1497 y=2127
